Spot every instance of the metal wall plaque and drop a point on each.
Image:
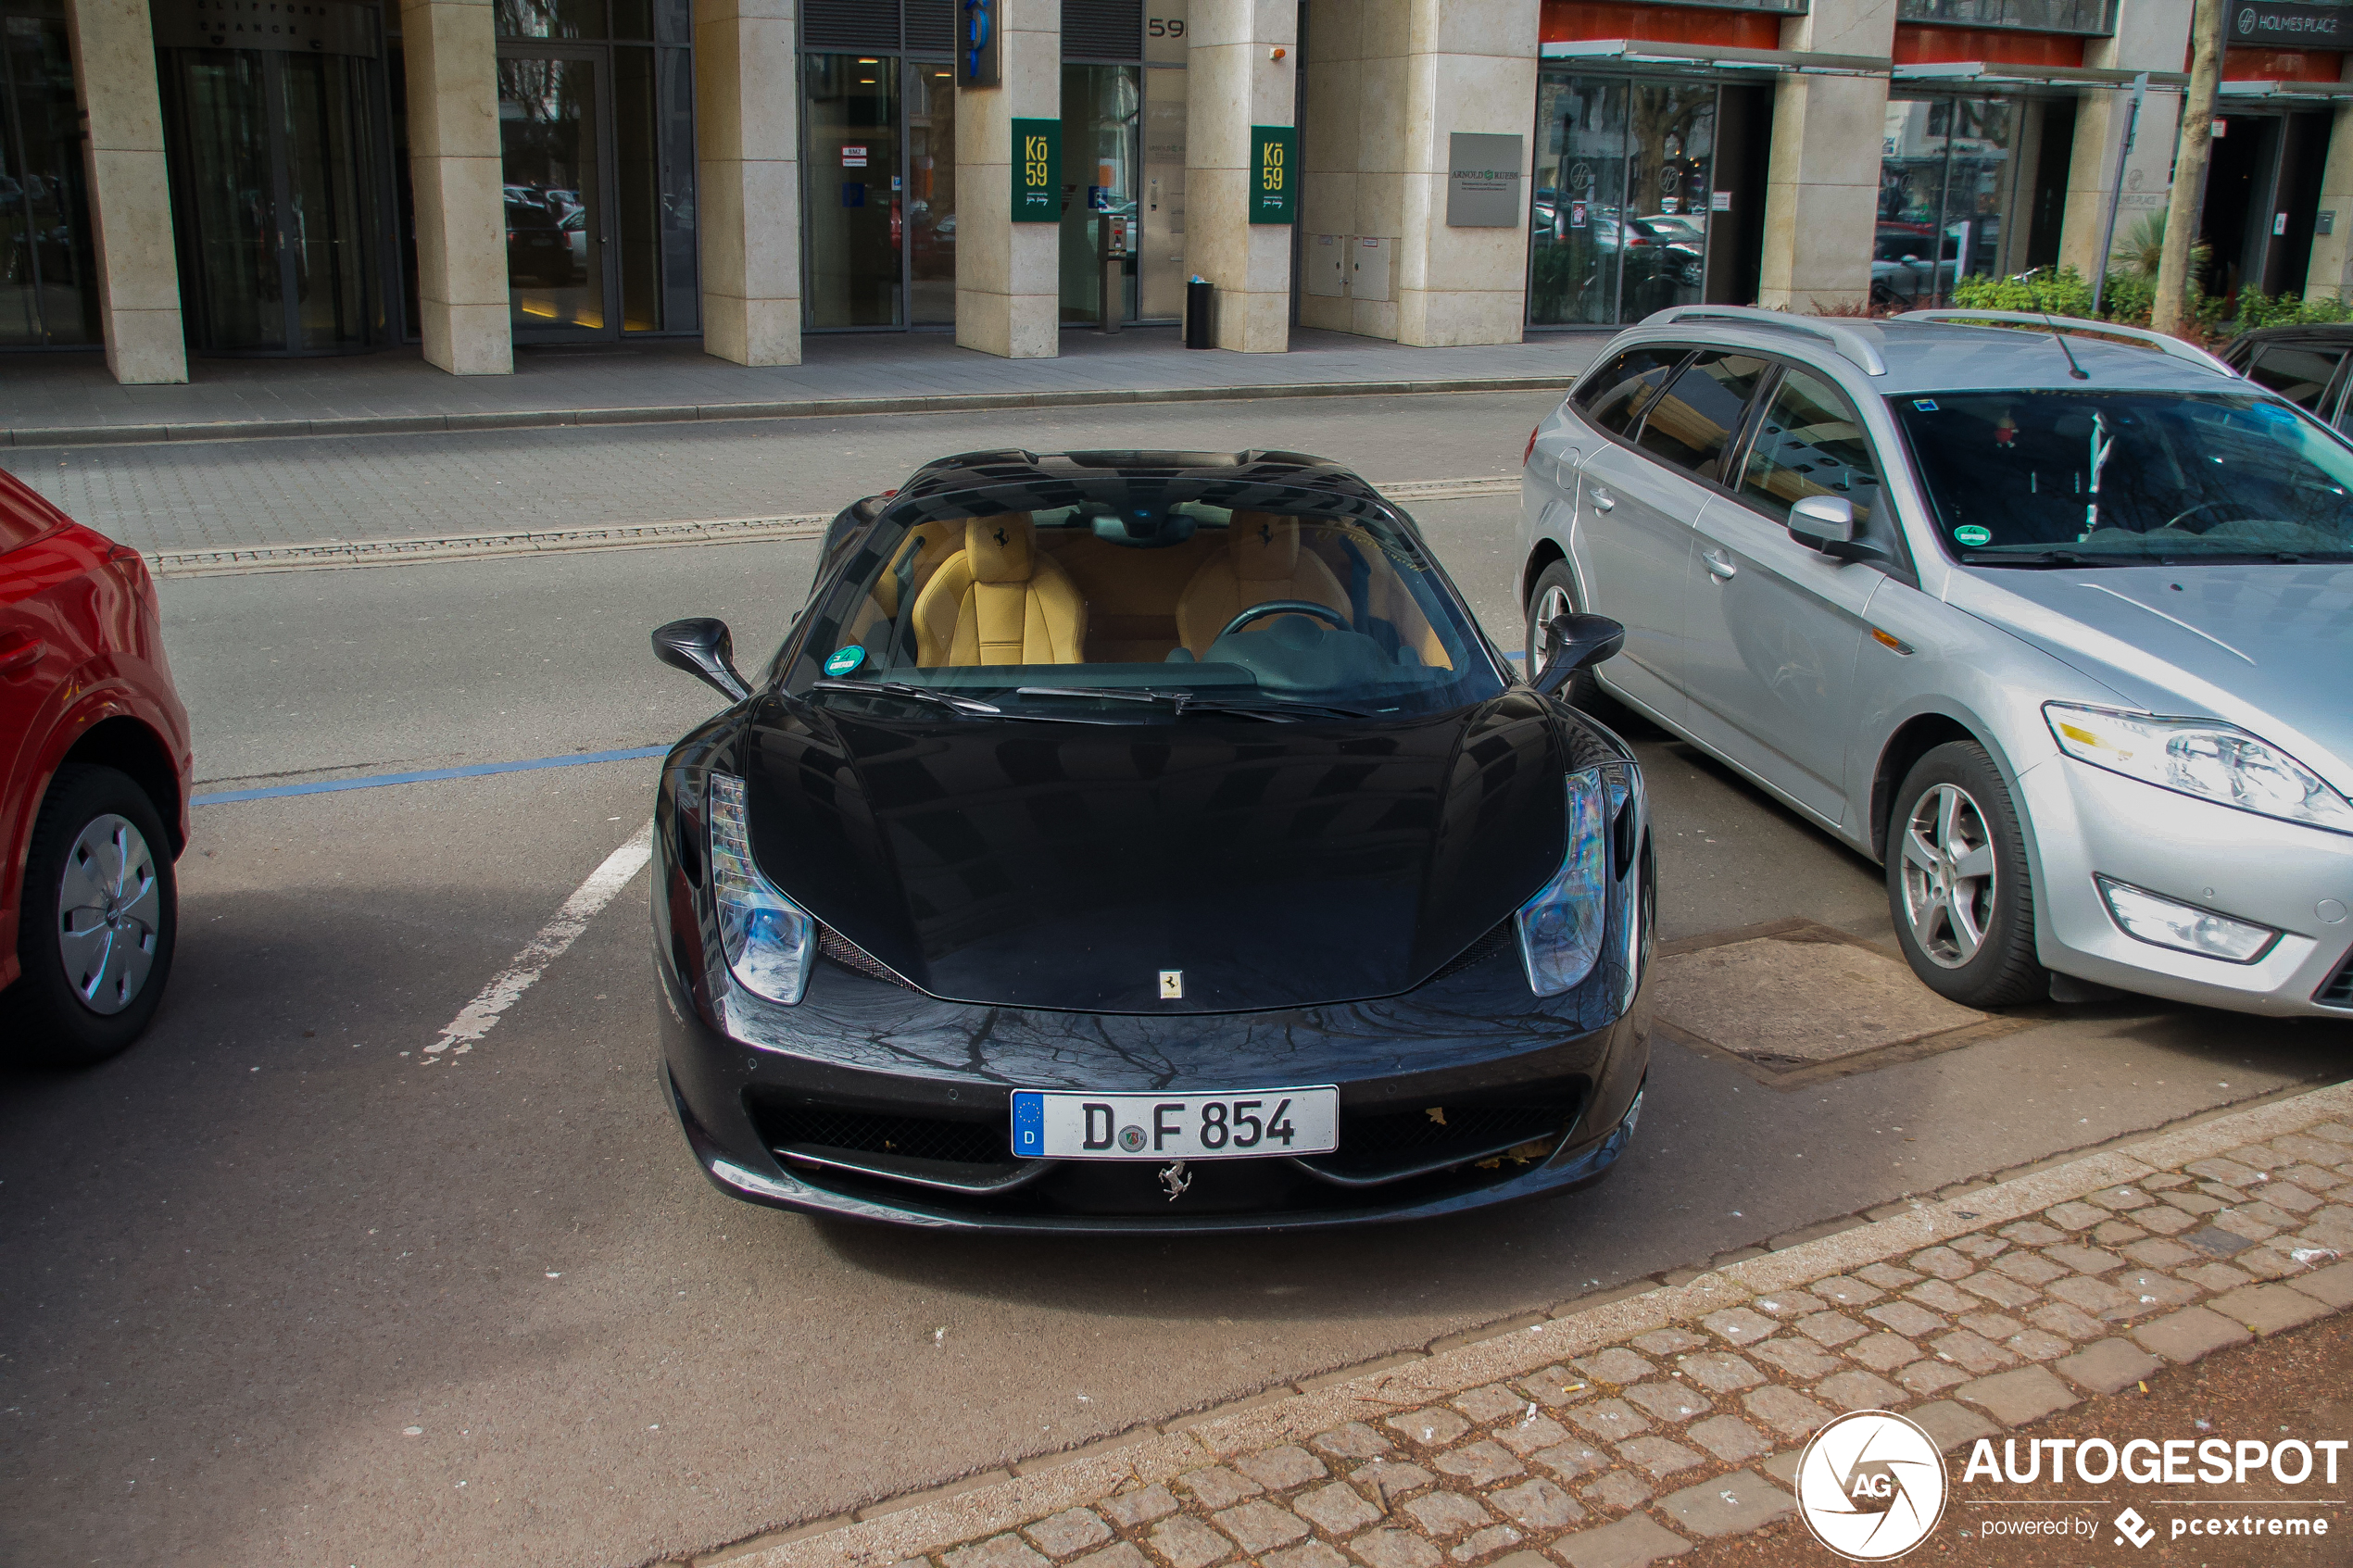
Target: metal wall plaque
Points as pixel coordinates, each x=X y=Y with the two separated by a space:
x=1482 y=180
x=1274 y=162
x=1038 y=170
x=307 y=27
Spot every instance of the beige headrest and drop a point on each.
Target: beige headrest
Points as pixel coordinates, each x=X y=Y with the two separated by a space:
x=1263 y=546
x=1002 y=549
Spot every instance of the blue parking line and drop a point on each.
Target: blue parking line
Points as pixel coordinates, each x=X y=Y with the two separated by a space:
x=378 y=780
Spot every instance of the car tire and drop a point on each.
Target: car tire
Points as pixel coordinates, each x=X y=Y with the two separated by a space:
x=1555 y=594
x=1958 y=882
x=61 y=1014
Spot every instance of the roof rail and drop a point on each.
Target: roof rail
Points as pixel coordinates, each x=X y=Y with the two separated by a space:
x=2163 y=342
x=1850 y=342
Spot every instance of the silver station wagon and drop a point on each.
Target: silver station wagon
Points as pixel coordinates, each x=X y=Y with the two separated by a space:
x=2054 y=619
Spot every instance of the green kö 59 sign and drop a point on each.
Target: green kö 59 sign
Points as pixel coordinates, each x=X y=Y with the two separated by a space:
x=1274 y=182
x=1038 y=170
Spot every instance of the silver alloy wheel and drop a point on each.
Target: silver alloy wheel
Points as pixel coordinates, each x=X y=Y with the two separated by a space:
x=1948 y=875
x=1551 y=605
x=109 y=914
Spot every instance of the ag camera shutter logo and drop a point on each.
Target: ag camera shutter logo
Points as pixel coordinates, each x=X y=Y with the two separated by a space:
x=1871 y=1485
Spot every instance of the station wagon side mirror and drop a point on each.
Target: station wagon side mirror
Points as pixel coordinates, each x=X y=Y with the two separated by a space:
x=703 y=649
x=1578 y=641
x=1821 y=521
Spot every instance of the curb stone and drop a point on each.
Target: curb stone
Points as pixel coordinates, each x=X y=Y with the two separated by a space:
x=793 y=408
x=1649 y=1503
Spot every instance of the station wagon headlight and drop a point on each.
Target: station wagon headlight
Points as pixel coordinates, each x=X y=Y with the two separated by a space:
x=1560 y=929
x=2202 y=758
x=768 y=938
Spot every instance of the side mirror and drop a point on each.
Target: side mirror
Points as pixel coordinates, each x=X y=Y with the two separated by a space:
x=1819 y=522
x=1578 y=641
x=703 y=649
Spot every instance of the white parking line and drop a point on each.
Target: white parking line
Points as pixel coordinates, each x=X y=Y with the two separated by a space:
x=475 y=1019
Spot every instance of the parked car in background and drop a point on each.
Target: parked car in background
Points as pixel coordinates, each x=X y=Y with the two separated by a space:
x=2056 y=626
x=1146 y=841
x=536 y=249
x=2305 y=365
x=94 y=789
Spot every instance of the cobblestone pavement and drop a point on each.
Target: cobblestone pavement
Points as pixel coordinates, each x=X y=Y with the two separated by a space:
x=70 y=397
x=1615 y=1434
x=248 y=494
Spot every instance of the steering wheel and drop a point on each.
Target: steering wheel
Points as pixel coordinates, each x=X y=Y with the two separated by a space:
x=1286 y=607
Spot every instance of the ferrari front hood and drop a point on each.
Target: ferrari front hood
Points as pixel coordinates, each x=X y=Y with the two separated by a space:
x=1080 y=866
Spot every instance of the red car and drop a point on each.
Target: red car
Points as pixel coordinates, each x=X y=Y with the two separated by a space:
x=94 y=789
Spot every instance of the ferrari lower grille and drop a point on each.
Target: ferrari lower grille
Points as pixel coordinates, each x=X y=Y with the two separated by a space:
x=906 y=1138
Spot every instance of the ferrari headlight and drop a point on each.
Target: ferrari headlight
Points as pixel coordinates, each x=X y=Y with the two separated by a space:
x=768 y=938
x=1560 y=929
x=2202 y=758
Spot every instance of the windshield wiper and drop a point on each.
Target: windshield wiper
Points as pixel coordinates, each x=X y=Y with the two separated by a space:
x=1193 y=702
x=905 y=689
x=2052 y=557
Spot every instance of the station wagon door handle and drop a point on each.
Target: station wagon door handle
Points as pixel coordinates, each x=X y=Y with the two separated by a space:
x=1603 y=501
x=1720 y=564
x=21 y=653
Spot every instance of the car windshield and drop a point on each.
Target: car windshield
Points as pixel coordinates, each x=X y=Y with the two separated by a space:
x=2115 y=478
x=1119 y=596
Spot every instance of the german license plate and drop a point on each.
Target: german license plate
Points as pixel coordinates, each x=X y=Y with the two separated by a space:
x=1229 y=1127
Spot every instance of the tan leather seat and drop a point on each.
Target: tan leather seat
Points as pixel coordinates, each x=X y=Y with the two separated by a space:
x=999 y=601
x=1262 y=560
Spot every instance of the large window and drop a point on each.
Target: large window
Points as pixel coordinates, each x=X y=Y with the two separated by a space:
x=1618 y=227
x=1967 y=186
x=48 y=282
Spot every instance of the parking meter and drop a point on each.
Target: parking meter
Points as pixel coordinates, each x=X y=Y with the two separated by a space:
x=1114 y=243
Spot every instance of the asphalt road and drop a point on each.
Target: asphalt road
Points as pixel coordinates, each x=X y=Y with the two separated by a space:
x=249 y=1256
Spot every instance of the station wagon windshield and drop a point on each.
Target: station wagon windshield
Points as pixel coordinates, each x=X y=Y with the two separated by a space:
x=1130 y=597
x=2115 y=478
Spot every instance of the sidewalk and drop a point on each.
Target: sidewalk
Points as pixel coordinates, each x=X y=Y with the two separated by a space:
x=1623 y=1430
x=69 y=400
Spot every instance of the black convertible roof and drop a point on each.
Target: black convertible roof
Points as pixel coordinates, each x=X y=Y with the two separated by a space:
x=1048 y=472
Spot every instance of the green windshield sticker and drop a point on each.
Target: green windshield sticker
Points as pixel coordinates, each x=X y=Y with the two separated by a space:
x=1925 y=405
x=1967 y=534
x=841 y=661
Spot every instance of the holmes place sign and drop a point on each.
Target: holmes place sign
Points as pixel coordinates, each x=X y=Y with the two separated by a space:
x=2289 y=25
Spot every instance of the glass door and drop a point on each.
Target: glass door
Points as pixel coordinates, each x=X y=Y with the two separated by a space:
x=48 y=282
x=931 y=193
x=277 y=207
x=855 y=231
x=1103 y=118
x=554 y=121
x=1670 y=161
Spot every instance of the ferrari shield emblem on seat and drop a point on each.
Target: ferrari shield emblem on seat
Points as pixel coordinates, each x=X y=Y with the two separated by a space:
x=1172 y=984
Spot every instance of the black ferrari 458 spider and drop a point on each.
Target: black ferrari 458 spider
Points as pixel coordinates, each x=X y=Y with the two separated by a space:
x=1146 y=840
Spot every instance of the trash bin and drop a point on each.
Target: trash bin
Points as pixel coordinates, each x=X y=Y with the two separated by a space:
x=1196 y=313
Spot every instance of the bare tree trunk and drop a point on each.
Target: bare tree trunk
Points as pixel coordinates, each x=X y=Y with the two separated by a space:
x=2184 y=208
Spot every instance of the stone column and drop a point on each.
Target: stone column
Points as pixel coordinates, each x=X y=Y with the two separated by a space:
x=2150 y=35
x=114 y=75
x=1821 y=184
x=1235 y=83
x=455 y=167
x=1009 y=290
x=748 y=162
x=2331 y=273
x=1470 y=66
